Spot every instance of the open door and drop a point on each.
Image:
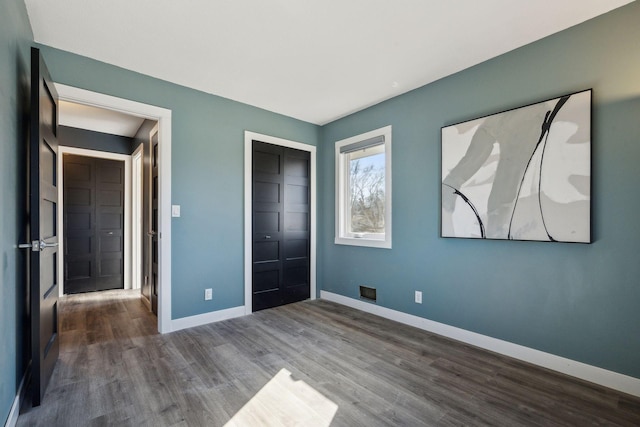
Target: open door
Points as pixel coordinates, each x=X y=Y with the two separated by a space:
x=153 y=225
x=43 y=205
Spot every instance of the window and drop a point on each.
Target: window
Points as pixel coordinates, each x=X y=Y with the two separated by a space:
x=363 y=189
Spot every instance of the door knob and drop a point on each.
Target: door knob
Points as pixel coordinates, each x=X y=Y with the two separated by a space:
x=37 y=245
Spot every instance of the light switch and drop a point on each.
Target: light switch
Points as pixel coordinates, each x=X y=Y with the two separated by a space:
x=175 y=211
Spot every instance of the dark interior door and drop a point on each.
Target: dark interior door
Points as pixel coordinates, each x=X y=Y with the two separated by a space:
x=43 y=205
x=153 y=233
x=281 y=225
x=93 y=224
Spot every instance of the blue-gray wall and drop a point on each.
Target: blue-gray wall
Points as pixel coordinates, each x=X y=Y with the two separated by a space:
x=573 y=300
x=90 y=140
x=207 y=173
x=15 y=37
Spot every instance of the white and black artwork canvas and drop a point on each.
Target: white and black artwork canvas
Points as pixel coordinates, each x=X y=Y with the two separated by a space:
x=523 y=174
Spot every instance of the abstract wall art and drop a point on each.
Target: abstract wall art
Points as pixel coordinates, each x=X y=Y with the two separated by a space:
x=522 y=174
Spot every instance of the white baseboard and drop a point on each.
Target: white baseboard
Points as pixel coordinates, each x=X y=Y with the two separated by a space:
x=203 y=319
x=12 y=419
x=610 y=379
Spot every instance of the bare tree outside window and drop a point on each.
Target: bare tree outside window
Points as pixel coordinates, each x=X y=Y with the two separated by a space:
x=367 y=188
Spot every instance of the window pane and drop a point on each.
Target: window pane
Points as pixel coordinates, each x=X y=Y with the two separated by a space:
x=367 y=190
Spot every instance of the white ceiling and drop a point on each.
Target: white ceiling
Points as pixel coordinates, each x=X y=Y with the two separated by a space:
x=313 y=60
x=98 y=119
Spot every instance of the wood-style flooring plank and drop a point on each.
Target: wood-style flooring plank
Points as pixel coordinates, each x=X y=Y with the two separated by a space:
x=313 y=363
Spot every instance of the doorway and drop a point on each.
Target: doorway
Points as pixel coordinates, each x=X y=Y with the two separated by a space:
x=163 y=117
x=65 y=151
x=249 y=211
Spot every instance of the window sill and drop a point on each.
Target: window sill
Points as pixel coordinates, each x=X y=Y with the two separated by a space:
x=362 y=241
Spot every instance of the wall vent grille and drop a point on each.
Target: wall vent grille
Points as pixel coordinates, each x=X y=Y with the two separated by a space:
x=367 y=293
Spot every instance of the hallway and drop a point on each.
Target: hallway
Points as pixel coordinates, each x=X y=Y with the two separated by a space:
x=103 y=338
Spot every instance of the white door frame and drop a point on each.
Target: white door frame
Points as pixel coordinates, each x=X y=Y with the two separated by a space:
x=62 y=150
x=248 y=210
x=163 y=116
x=137 y=180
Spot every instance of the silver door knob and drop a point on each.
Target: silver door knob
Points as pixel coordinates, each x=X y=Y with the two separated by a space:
x=37 y=245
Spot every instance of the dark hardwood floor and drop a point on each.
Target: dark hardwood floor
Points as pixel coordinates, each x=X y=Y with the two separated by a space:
x=311 y=363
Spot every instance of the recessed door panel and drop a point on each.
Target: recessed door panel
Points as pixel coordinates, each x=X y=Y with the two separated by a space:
x=266 y=251
x=267 y=163
x=78 y=270
x=265 y=222
x=110 y=198
x=266 y=192
x=297 y=248
x=266 y=281
x=79 y=196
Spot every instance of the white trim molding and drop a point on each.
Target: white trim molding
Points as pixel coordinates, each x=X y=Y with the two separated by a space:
x=137 y=213
x=205 y=318
x=583 y=371
x=12 y=419
x=248 y=208
x=163 y=116
x=62 y=150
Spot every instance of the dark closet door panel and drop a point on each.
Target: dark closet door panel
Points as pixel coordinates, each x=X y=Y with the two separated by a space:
x=267 y=280
x=94 y=224
x=79 y=224
x=281 y=221
x=266 y=251
x=297 y=225
x=110 y=224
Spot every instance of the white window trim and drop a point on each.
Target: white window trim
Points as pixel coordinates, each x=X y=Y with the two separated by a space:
x=367 y=240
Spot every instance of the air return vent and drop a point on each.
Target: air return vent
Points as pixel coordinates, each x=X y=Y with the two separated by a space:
x=368 y=293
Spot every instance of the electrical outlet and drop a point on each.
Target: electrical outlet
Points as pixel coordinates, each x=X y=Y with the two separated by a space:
x=419 y=297
x=208 y=294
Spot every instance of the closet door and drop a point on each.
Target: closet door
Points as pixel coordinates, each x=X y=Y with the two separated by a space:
x=93 y=224
x=281 y=225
